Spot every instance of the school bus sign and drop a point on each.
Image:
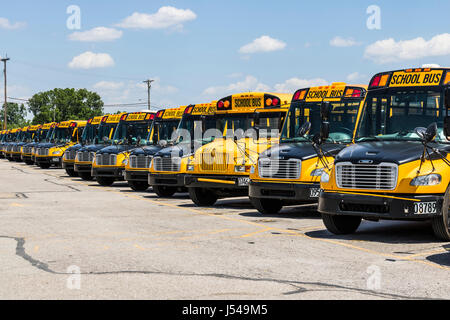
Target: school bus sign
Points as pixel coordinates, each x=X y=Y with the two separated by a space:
x=416 y=79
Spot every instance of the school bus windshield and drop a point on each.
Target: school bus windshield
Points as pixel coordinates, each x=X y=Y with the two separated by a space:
x=191 y=123
x=393 y=114
x=26 y=136
x=89 y=133
x=62 y=134
x=342 y=120
x=134 y=130
x=163 y=130
x=105 y=132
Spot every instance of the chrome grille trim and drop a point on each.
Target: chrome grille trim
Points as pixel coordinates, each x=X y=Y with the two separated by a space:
x=218 y=163
x=106 y=159
x=167 y=164
x=140 y=162
x=280 y=169
x=70 y=155
x=382 y=176
x=42 y=151
x=85 y=156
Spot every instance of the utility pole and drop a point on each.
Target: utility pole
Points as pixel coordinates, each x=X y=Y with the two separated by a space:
x=4 y=60
x=149 y=86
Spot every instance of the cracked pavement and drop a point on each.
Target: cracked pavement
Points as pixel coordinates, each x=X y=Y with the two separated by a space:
x=133 y=245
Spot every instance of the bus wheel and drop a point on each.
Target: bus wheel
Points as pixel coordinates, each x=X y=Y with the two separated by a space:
x=71 y=173
x=105 y=181
x=441 y=224
x=85 y=176
x=341 y=224
x=164 y=192
x=267 y=206
x=202 y=197
x=44 y=165
x=138 y=185
x=29 y=162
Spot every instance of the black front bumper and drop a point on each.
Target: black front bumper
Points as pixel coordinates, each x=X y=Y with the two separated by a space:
x=295 y=192
x=227 y=184
x=170 y=180
x=400 y=208
x=82 y=167
x=49 y=160
x=68 y=165
x=116 y=173
x=141 y=176
x=27 y=157
x=16 y=156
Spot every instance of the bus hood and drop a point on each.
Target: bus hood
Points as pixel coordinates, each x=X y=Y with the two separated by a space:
x=92 y=148
x=115 y=149
x=398 y=152
x=75 y=147
x=299 y=150
x=170 y=151
x=147 y=151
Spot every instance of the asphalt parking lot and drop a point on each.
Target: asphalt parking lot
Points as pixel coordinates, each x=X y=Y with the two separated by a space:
x=64 y=238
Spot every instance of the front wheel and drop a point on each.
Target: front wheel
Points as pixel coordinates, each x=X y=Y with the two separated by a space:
x=44 y=165
x=341 y=224
x=441 y=224
x=138 y=185
x=105 y=181
x=71 y=173
x=267 y=206
x=164 y=192
x=29 y=162
x=85 y=176
x=202 y=197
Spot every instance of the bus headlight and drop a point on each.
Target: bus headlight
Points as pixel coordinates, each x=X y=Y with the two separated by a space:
x=325 y=177
x=317 y=172
x=190 y=167
x=252 y=169
x=57 y=153
x=428 y=180
x=125 y=161
x=239 y=168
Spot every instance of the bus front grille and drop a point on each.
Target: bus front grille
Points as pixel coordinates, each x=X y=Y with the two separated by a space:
x=279 y=169
x=366 y=176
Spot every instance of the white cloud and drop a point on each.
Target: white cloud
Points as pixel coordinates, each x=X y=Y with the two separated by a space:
x=431 y=65
x=99 y=34
x=5 y=24
x=263 y=44
x=108 y=85
x=293 y=84
x=165 y=17
x=389 y=50
x=90 y=60
x=250 y=83
x=343 y=42
x=356 y=76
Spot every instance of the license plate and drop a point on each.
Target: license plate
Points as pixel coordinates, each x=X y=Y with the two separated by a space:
x=425 y=207
x=314 y=193
x=55 y=159
x=243 y=181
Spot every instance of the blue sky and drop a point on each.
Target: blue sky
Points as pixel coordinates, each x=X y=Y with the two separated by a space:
x=202 y=50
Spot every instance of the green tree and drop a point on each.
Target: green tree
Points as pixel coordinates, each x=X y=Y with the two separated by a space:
x=65 y=104
x=15 y=115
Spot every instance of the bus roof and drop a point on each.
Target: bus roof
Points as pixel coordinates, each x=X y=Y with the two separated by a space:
x=138 y=116
x=48 y=126
x=171 y=113
x=72 y=123
x=250 y=101
x=34 y=128
x=15 y=130
x=414 y=77
x=334 y=92
x=202 y=109
x=95 y=120
x=113 y=118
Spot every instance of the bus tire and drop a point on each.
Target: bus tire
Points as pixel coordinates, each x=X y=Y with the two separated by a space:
x=202 y=197
x=441 y=224
x=29 y=162
x=341 y=224
x=105 y=181
x=164 y=191
x=71 y=173
x=138 y=185
x=267 y=206
x=44 y=166
x=85 y=176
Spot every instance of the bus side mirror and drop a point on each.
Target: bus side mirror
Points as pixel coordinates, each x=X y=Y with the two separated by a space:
x=256 y=125
x=324 y=131
x=447 y=98
x=96 y=140
x=203 y=118
x=304 y=129
x=447 y=127
x=325 y=110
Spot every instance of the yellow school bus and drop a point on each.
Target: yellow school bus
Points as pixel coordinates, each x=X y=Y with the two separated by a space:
x=109 y=162
x=86 y=154
x=289 y=173
x=247 y=124
x=8 y=149
x=398 y=168
x=169 y=165
x=15 y=148
x=64 y=135
x=87 y=137
x=28 y=141
x=3 y=136
x=43 y=136
x=161 y=132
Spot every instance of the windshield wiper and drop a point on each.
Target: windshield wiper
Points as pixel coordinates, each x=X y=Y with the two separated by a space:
x=369 y=138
